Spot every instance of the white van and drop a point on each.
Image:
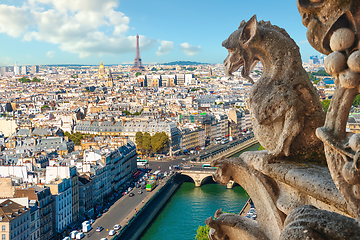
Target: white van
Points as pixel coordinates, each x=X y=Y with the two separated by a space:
x=80 y=235
x=73 y=234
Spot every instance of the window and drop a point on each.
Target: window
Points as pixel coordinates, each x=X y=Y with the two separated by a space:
x=3 y=228
x=3 y=236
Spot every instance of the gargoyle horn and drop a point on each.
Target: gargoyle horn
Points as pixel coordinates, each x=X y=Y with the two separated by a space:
x=217 y=213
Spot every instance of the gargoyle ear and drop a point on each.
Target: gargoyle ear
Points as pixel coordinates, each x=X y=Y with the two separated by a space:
x=242 y=23
x=249 y=30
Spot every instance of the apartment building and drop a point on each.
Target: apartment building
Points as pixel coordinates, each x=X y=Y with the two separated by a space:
x=39 y=196
x=62 y=204
x=14 y=220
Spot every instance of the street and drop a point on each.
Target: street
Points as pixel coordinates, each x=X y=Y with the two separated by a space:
x=123 y=209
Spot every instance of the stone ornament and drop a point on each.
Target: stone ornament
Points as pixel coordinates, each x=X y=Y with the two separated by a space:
x=284 y=105
x=294 y=198
x=337 y=33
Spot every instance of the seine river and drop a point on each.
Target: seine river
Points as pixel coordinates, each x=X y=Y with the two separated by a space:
x=189 y=207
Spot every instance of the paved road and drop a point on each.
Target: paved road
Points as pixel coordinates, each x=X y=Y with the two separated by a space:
x=118 y=213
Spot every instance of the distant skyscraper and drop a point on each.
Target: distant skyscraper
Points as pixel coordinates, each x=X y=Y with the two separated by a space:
x=23 y=70
x=34 y=69
x=314 y=60
x=4 y=70
x=16 y=69
x=137 y=62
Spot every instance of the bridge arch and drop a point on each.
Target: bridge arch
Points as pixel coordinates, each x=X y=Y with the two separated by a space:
x=207 y=180
x=198 y=177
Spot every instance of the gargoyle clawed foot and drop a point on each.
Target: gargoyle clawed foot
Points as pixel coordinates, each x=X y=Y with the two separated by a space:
x=231 y=226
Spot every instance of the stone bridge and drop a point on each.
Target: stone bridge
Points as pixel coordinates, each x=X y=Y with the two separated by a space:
x=198 y=176
x=228 y=150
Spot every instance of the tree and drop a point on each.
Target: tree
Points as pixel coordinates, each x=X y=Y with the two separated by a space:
x=321 y=73
x=261 y=148
x=356 y=101
x=76 y=137
x=139 y=140
x=24 y=80
x=146 y=142
x=126 y=113
x=202 y=233
x=137 y=74
x=35 y=79
x=159 y=141
x=312 y=77
x=325 y=104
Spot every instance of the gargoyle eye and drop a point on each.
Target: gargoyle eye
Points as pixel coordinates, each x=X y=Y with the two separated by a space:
x=311 y=4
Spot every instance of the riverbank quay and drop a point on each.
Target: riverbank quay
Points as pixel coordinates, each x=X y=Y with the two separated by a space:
x=145 y=213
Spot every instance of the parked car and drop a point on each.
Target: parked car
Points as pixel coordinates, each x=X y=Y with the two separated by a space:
x=99 y=228
x=131 y=194
x=112 y=232
x=117 y=227
x=103 y=238
x=140 y=192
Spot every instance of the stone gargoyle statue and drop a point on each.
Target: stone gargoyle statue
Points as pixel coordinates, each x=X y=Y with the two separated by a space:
x=294 y=198
x=284 y=105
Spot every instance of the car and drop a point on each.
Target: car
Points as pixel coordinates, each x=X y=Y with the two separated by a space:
x=99 y=215
x=131 y=194
x=117 y=227
x=103 y=238
x=91 y=221
x=105 y=210
x=143 y=186
x=140 y=192
x=99 y=229
x=112 y=232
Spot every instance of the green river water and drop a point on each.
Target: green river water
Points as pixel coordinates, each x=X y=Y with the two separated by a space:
x=189 y=207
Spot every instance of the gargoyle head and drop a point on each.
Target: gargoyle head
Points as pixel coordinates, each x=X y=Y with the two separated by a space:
x=238 y=45
x=221 y=175
x=323 y=17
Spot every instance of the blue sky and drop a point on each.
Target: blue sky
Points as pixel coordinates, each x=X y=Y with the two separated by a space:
x=91 y=31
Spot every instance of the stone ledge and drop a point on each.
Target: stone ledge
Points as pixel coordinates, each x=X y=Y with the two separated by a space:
x=309 y=179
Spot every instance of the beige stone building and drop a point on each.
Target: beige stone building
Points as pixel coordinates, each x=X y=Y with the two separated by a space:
x=105 y=78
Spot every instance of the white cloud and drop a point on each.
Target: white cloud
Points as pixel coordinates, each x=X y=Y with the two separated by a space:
x=165 y=48
x=84 y=27
x=189 y=49
x=13 y=21
x=50 y=54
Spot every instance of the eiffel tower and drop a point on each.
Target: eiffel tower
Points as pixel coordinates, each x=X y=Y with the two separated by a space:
x=137 y=62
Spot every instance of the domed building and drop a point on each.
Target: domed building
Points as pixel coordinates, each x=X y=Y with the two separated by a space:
x=105 y=78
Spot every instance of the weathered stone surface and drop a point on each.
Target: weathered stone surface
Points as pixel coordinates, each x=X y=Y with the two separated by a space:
x=326 y=22
x=263 y=190
x=335 y=63
x=284 y=106
x=308 y=222
x=285 y=114
x=342 y=39
x=231 y=226
x=322 y=18
x=354 y=61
